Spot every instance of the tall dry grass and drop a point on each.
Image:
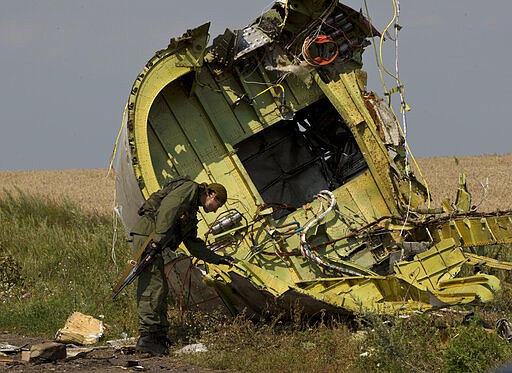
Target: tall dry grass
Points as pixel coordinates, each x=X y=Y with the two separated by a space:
x=92 y=190
x=489 y=179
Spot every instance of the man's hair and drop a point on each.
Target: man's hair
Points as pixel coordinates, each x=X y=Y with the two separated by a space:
x=220 y=191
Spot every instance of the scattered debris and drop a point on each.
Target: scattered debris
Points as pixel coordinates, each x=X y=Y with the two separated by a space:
x=6 y=348
x=20 y=356
x=125 y=345
x=81 y=329
x=123 y=342
x=44 y=352
x=73 y=352
x=504 y=329
x=196 y=347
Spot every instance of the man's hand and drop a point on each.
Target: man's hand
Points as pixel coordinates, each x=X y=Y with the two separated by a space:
x=227 y=260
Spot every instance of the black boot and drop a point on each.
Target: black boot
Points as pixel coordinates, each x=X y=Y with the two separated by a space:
x=153 y=344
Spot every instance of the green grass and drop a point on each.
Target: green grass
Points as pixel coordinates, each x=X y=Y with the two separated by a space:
x=59 y=262
x=56 y=259
x=245 y=346
x=476 y=350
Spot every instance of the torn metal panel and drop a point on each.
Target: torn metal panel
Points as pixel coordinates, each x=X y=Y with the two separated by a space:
x=328 y=213
x=250 y=39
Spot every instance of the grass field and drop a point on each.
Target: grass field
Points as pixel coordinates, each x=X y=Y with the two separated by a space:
x=56 y=258
x=93 y=190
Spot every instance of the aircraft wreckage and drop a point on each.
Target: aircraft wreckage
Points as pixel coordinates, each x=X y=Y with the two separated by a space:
x=323 y=211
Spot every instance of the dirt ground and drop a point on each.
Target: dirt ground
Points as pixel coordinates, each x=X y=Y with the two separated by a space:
x=102 y=359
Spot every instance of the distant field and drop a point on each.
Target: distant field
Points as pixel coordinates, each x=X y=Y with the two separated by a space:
x=489 y=180
x=91 y=189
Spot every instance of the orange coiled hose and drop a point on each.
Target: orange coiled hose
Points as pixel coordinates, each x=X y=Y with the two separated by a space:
x=325 y=55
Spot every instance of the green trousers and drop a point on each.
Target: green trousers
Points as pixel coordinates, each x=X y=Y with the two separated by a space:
x=152 y=290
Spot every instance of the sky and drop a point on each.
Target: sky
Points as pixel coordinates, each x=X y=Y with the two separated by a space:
x=68 y=67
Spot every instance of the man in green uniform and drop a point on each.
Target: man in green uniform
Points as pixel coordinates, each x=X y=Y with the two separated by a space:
x=172 y=214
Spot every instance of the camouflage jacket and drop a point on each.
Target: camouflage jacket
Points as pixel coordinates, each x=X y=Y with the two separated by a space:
x=176 y=215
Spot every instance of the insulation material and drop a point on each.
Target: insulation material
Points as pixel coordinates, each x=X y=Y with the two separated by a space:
x=128 y=195
x=81 y=329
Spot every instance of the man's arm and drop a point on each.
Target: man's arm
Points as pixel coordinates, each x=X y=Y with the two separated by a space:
x=198 y=249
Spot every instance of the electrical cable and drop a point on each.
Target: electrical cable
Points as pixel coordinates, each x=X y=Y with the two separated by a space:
x=321 y=41
x=114 y=151
x=269 y=88
x=377 y=62
x=115 y=223
x=307 y=30
x=393 y=20
x=321 y=213
x=404 y=106
x=403 y=109
x=115 y=210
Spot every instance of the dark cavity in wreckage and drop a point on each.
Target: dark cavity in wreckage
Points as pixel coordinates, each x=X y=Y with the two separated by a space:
x=323 y=210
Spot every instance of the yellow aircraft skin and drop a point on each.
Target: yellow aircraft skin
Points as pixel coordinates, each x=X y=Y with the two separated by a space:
x=323 y=210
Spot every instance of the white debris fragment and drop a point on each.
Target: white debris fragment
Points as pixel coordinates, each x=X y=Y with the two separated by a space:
x=8 y=348
x=196 y=347
x=123 y=342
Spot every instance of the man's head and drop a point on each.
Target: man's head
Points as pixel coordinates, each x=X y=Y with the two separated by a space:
x=215 y=196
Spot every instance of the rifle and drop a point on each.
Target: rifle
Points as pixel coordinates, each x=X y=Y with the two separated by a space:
x=133 y=270
x=142 y=261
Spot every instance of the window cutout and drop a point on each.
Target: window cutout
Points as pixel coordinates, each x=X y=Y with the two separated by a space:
x=292 y=160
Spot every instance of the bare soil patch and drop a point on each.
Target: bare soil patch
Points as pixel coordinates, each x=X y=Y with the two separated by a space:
x=103 y=359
